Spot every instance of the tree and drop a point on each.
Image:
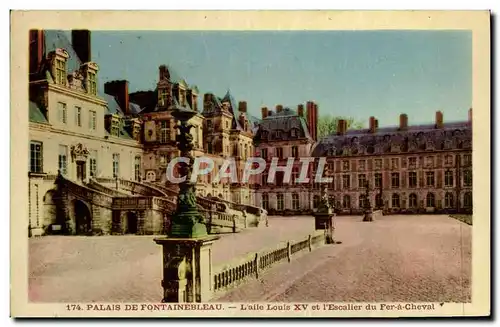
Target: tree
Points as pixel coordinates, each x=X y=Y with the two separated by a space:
x=327 y=124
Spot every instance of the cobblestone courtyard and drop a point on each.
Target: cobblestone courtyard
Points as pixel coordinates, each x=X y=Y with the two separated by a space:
x=396 y=258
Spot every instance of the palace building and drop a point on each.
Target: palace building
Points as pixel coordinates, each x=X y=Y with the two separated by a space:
x=98 y=155
x=408 y=169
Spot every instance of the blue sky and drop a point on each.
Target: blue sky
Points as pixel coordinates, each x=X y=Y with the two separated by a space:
x=348 y=73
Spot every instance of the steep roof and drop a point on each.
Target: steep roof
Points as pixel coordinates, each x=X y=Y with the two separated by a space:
x=283 y=121
x=55 y=39
x=35 y=113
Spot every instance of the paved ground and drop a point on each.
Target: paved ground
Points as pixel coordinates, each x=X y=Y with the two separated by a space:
x=396 y=258
x=128 y=268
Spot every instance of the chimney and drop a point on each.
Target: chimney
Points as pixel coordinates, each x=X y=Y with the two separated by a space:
x=163 y=72
x=403 y=122
x=312 y=119
x=300 y=110
x=36 y=50
x=119 y=89
x=265 y=112
x=341 y=126
x=279 y=108
x=470 y=115
x=371 y=125
x=242 y=106
x=80 y=40
x=439 y=119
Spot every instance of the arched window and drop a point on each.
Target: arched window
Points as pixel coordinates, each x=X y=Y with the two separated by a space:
x=395 y=200
x=346 y=203
x=468 y=199
x=295 y=201
x=431 y=200
x=413 y=200
x=281 y=203
x=448 y=200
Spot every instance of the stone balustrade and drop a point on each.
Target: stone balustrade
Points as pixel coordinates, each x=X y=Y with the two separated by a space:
x=250 y=266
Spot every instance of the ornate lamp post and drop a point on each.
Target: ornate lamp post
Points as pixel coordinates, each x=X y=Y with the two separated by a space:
x=368 y=207
x=324 y=215
x=187 y=273
x=187 y=221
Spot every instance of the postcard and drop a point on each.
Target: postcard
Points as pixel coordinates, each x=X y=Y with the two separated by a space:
x=250 y=164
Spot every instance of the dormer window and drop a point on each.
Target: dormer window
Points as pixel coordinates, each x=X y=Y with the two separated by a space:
x=115 y=126
x=278 y=134
x=92 y=83
x=182 y=97
x=60 y=64
x=294 y=132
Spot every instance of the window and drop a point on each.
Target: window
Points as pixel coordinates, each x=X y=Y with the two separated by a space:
x=467 y=178
x=394 y=163
x=182 y=97
x=36 y=156
x=362 y=164
x=468 y=199
x=60 y=72
x=345 y=165
x=430 y=178
x=448 y=160
x=295 y=201
x=78 y=116
x=93 y=163
x=430 y=200
x=115 y=127
x=209 y=147
x=209 y=125
x=378 y=180
x=395 y=200
x=163 y=132
x=281 y=204
x=295 y=151
x=346 y=201
x=63 y=159
x=263 y=153
x=448 y=178
x=264 y=178
x=362 y=201
x=412 y=162
x=163 y=97
x=448 y=200
x=116 y=163
x=279 y=178
x=279 y=153
x=346 y=181
x=378 y=163
x=93 y=120
x=361 y=180
x=278 y=134
x=137 y=168
x=379 y=201
x=93 y=84
x=316 y=200
x=413 y=200
x=227 y=124
x=395 y=180
x=467 y=159
x=293 y=132
x=63 y=114
x=265 y=201
x=295 y=175
x=412 y=179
